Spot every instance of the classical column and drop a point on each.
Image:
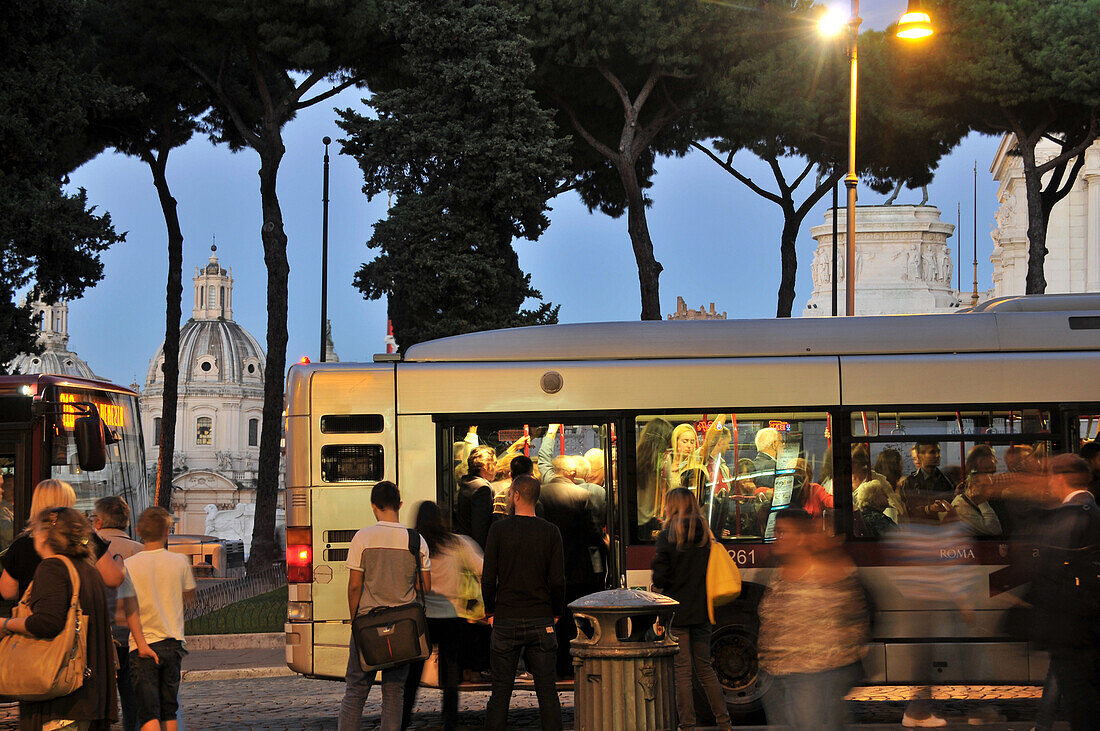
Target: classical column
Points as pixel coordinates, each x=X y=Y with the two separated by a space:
x=1092 y=237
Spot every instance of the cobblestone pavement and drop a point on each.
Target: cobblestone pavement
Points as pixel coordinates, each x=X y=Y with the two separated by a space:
x=273 y=704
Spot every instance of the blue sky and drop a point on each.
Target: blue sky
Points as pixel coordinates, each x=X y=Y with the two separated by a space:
x=717 y=240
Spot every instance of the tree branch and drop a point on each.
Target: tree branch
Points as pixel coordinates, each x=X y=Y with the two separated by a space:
x=330 y=93
x=818 y=193
x=1087 y=138
x=596 y=144
x=250 y=137
x=780 y=179
x=798 y=181
x=728 y=167
x=261 y=82
x=620 y=89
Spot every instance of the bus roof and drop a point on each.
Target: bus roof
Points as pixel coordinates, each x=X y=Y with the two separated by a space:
x=39 y=381
x=1016 y=329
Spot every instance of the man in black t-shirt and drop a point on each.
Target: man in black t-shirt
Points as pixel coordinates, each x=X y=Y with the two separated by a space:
x=523 y=584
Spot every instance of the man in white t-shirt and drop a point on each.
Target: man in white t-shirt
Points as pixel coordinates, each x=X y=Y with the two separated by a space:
x=153 y=599
x=382 y=573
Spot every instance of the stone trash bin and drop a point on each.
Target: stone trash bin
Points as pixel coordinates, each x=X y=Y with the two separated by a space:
x=623 y=662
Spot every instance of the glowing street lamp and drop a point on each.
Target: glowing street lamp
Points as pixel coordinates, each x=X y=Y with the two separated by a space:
x=914 y=24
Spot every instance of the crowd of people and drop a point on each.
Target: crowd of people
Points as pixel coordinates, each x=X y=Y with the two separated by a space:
x=132 y=595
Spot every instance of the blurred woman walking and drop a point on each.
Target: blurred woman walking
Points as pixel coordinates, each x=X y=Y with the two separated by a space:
x=813 y=627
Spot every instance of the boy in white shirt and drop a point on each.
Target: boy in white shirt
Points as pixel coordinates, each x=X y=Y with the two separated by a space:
x=160 y=582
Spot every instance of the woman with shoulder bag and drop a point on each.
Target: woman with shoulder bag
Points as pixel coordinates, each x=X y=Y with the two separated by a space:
x=448 y=607
x=680 y=571
x=65 y=532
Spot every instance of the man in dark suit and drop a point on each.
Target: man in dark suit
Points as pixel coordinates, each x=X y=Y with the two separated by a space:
x=1065 y=589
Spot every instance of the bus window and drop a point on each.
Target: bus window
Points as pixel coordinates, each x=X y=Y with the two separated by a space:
x=741 y=467
x=124 y=474
x=979 y=468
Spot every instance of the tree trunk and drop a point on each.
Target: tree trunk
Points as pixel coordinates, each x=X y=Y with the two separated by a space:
x=1036 y=220
x=788 y=258
x=264 y=551
x=649 y=269
x=172 y=315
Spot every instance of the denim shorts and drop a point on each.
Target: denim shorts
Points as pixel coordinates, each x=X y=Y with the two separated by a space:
x=157 y=685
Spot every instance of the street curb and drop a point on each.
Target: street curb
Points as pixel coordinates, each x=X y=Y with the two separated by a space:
x=196 y=676
x=255 y=641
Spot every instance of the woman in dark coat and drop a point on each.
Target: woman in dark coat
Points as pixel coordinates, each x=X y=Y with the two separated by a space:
x=65 y=532
x=680 y=571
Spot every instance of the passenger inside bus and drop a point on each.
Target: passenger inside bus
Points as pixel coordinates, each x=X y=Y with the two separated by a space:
x=928 y=491
x=971 y=504
x=7 y=516
x=651 y=446
x=870 y=496
x=768 y=442
x=680 y=456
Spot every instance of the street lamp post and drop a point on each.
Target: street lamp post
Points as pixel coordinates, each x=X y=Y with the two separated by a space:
x=914 y=24
x=324 y=256
x=851 y=180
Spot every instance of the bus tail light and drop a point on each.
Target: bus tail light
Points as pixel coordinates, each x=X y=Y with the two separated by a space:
x=299 y=556
x=299 y=611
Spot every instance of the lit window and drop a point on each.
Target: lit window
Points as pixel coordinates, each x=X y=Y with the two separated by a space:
x=253 y=432
x=204 y=430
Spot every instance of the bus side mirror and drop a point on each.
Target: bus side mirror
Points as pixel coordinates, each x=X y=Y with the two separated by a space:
x=91 y=443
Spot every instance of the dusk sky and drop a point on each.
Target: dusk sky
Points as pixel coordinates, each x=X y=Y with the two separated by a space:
x=717 y=240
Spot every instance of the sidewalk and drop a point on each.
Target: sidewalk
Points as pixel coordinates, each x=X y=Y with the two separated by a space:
x=229 y=657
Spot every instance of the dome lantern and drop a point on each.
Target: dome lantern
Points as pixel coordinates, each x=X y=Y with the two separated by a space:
x=213 y=290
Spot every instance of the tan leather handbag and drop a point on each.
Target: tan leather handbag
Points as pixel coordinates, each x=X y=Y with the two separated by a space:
x=33 y=669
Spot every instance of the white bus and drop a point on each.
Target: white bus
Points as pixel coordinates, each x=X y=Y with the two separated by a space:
x=1020 y=375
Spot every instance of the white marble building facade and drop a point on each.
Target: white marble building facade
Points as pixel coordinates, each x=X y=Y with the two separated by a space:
x=1073 y=233
x=220 y=408
x=903 y=262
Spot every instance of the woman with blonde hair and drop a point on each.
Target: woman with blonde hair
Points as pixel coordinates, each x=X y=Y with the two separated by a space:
x=680 y=571
x=21 y=560
x=65 y=532
x=679 y=457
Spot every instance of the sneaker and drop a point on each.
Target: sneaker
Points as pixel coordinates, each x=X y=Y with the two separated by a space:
x=929 y=721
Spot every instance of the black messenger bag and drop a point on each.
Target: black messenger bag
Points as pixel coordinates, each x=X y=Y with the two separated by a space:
x=390 y=636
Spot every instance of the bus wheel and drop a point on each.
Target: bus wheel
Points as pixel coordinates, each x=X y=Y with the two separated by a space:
x=733 y=648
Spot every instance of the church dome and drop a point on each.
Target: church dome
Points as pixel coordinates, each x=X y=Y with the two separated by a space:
x=53 y=335
x=215 y=351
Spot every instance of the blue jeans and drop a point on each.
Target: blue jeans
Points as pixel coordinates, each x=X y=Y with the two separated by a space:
x=811 y=700
x=358 y=686
x=536 y=640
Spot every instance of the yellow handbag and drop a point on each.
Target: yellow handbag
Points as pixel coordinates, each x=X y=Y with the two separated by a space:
x=723 y=578
x=34 y=669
